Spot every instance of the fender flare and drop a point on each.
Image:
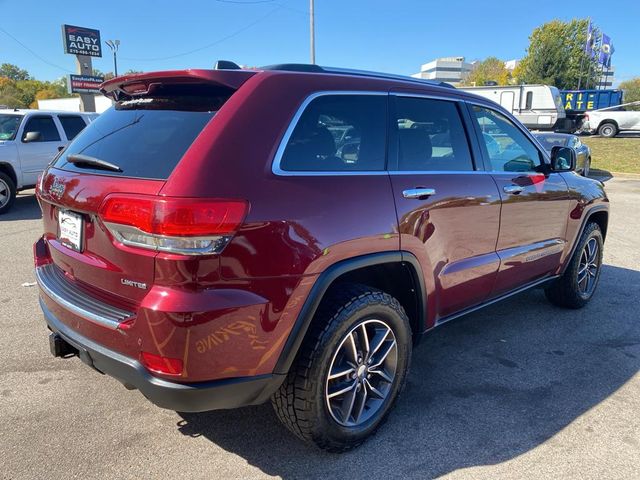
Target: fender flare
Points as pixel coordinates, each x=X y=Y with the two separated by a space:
x=585 y=220
x=322 y=284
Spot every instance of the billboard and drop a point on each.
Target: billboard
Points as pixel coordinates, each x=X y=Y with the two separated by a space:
x=84 y=84
x=81 y=41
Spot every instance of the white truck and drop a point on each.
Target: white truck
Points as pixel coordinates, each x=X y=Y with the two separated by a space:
x=29 y=139
x=608 y=122
x=538 y=107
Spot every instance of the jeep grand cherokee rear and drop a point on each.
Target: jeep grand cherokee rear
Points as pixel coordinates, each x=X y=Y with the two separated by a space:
x=219 y=238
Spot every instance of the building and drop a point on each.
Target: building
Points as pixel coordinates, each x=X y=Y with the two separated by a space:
x=448 y=69
x=72 y=104
x=512 y=64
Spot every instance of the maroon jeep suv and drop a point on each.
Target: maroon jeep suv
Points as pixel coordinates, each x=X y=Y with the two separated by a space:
x=219 y=238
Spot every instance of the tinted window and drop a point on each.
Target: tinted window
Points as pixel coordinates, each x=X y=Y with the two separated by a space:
x=145 y=137
x=9 y=126
x=507 y=147
x=72 y=125
x=430 y=136
x=46 y=127
x=338 y=133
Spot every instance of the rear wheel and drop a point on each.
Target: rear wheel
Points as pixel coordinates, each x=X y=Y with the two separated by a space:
x=578 y=283
x=608 y=130
x=349 y=371
x=7 y=192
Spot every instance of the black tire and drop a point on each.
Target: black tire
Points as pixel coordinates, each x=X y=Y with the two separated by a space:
x=608 y=130
x=567 y=291
x=300 y=403
x=7 y=193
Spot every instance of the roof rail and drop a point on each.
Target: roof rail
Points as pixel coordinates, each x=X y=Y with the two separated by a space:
x=392 y=76
x=295 y=67
x=311 y=68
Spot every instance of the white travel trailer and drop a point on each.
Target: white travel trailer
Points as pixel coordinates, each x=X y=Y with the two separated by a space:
x=538 y=107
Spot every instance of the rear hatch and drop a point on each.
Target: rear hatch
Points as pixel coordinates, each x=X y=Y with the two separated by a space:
x=130 y=149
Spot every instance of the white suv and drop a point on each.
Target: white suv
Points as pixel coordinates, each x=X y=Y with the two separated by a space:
x=29 y=139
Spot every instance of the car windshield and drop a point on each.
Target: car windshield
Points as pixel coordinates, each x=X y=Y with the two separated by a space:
x=9 y=126
x=550 y=141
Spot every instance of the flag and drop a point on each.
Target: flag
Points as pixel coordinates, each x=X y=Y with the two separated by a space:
x=606 y=50
x=588 y=46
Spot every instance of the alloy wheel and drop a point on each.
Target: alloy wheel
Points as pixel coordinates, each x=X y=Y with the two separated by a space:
x=362 y=372
x=5 y=193
x=588 y=267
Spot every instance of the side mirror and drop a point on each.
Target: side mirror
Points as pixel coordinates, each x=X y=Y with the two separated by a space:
x=32 y=137
x=349 y=153
x=563 y=159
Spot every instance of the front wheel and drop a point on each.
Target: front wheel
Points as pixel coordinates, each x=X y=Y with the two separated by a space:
x=349 y=371
x=577 y=285
x=7 y=192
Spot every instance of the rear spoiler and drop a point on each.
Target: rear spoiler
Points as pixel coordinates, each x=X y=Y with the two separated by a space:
x=128 y=86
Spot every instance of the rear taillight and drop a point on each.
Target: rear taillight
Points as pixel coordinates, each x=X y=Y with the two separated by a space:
x=184 y=226
x=159 y=364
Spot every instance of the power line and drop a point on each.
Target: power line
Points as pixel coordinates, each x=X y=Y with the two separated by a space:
x=248 y=2
x=34 y=53
x=204 y=47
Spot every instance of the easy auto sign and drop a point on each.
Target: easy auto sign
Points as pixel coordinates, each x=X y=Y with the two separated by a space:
x=84 y=83
x=81 y=41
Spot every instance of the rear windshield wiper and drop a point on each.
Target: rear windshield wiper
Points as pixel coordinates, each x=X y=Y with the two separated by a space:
x=78 y=159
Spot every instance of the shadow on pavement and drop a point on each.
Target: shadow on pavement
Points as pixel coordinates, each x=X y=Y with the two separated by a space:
x=482 y=390
x=24 y=208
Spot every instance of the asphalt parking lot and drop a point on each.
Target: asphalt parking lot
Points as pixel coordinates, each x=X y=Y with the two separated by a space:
x=519 y=390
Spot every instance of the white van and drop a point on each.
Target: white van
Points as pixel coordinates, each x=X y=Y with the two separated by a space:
x=538 y=107
x=29 y=139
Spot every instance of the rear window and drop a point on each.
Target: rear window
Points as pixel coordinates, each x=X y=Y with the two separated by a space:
x=146 y=137
x=72 y=125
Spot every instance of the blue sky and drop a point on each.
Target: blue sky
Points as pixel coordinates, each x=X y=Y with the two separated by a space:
x=392 y=36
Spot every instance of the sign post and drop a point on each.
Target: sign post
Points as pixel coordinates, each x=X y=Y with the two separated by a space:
x=84 y=43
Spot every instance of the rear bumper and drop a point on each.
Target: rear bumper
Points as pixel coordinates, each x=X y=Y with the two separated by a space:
x=183 y=397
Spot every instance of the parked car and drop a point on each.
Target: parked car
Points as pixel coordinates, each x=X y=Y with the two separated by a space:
x=583 y=152
x=29 y=139
x=205 y=243
x=608 y=123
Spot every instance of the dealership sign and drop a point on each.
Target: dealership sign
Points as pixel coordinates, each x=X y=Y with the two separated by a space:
x=84 y=84
x=81 y=41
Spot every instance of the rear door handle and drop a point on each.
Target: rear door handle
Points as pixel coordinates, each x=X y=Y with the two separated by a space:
x=418 y=192
x=513 y=189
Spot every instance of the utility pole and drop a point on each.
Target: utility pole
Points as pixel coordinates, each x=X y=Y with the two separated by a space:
x=312 y=32
x=113 y=45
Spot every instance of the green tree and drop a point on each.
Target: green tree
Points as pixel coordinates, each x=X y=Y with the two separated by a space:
x=491 y=69
x=9 y=94
x=556 y=56
x=631 y=89
x=100 y=73
x=13 y=72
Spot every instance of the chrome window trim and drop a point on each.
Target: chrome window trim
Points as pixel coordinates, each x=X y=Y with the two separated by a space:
x=275 y=165
x=437 y=172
